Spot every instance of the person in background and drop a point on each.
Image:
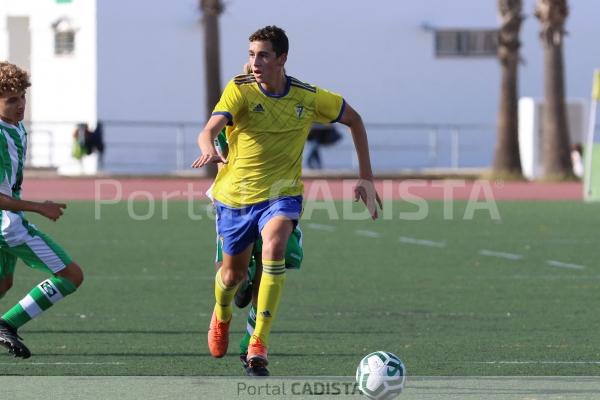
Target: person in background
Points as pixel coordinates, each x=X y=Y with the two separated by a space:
x=577 y=159
x=320 y=135
x=86 y=141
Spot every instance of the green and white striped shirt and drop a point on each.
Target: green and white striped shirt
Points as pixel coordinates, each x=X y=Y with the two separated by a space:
x=13 y=148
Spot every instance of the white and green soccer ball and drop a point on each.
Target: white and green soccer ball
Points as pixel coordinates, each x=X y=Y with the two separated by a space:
x=380 y=375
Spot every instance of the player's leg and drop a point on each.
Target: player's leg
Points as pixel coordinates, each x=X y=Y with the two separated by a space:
x=238 y=230
x=236 y=235
x=227 y=279
x=7 y=268
x=275 y=236
x=72 y=273
x=276 y=225
x=5 y=285
x=8 y=335
x=251 y=320
x=245 y=290
x=293 y=258
x=294 y=254
x=250 y=325
x=41 y=252
x=243 y=296
x=219 y=254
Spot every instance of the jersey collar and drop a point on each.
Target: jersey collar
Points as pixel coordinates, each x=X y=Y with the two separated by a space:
x=288 y=84
x=7 y=125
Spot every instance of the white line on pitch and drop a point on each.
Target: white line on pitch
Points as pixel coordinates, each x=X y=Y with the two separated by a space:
x=421 y=242
x=373 y=234
x=564 y=265
x=64 y=363
x=508 y=256
x=537 y=362
x=322 y=227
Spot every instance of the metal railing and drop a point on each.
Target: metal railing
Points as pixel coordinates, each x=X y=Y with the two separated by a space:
x=167 y=146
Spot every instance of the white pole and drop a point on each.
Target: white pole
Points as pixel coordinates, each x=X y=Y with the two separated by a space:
x=455 y=149
x=589 y=148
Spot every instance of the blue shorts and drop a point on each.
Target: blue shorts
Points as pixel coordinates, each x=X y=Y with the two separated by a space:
x=240 y=227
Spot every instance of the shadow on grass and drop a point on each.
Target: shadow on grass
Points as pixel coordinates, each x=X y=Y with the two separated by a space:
x=174 y=332
x=175 y=355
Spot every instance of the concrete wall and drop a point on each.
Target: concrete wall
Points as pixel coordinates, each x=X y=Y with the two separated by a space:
x=63 y=86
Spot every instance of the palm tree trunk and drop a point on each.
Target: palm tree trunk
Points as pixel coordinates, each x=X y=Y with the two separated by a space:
x=507 y=160
x=556 y=148
x=211 y=9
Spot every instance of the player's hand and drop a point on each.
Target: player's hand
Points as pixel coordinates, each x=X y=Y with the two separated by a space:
x=365 y=191
x=209 y=155
x=208 y=159
x=51 y=210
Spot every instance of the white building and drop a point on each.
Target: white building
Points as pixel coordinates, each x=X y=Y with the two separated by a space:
x=423 y=76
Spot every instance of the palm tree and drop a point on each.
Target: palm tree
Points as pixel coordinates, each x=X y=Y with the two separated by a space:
x=211 y=9
x=507 y=160
x=556 y=149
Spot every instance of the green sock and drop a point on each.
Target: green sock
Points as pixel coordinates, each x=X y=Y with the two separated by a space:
x=41 y=298
x=250 y=325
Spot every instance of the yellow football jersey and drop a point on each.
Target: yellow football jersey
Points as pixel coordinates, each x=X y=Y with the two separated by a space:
x=266 y=138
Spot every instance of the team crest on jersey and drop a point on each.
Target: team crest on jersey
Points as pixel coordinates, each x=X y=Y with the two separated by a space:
x=299 y=110
x=258 y=108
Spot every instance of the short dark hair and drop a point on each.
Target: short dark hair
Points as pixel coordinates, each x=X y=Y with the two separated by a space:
x=273 y=34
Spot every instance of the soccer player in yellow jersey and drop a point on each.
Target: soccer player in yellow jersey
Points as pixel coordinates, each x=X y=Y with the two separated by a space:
x=259 y=189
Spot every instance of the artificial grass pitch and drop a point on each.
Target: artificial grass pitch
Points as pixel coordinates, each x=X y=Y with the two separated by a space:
x=451 y=296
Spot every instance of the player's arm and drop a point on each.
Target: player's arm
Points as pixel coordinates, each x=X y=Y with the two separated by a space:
x=206 y=142
x=48 y=209
x=364 y=190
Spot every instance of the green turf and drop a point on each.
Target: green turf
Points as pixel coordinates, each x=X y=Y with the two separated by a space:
x=145 y=304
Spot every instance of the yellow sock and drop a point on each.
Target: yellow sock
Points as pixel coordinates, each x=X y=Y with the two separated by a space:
x=269 y=294
x=224 y=296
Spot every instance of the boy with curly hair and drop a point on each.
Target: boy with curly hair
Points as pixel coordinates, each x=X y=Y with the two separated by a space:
x=19 y=238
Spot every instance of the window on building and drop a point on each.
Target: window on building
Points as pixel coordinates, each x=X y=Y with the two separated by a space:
x=466 y=43
x=64 y=37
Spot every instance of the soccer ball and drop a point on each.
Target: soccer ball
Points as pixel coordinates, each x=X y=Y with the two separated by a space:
x=380 y=375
